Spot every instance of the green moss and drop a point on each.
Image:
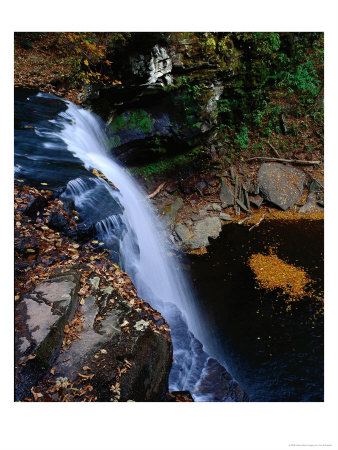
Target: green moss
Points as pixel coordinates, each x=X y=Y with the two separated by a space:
x=115 y=141
x=138 y=119
x=166 y=165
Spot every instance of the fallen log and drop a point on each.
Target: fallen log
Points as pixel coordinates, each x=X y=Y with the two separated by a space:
x=294 y=161
x=156 y=191
x=257 y=223
x=274 y=150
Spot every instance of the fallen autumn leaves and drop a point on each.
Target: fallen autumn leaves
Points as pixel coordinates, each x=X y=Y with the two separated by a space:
x=40 y=253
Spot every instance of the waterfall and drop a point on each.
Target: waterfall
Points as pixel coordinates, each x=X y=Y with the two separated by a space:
x=142 y=241
x=156 y=274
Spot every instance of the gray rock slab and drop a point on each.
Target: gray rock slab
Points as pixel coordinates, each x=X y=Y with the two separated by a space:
x=224 y=216
x=171 y=211
x=256 y=201
x=40 y=318
x=41 y=315
x=210 y=227
x=242 y=206
x=182 y=232
x=226 y=195
x=311 y=205
x=216 y=207
x=123 y=333
x=280 y=184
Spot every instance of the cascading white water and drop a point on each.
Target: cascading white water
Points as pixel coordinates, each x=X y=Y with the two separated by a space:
x=145 y=256
x=156 y=275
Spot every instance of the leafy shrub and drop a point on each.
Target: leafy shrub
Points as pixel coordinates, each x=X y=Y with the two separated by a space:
x=242 y=139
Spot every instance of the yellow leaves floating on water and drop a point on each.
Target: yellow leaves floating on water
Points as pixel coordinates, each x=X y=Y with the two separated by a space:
x=272 y=272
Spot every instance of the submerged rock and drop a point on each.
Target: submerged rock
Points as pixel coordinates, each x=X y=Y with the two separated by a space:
x=280 y=184
x=217 y=384
x=204 y=377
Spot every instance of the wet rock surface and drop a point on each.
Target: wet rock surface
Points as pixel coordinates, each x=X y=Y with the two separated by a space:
x=207 y=380
x=279 y=184
x=224 y=387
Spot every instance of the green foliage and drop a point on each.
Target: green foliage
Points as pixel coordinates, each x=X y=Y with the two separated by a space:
x=305 y=79
x=242 y=139
x=158 y=150
x=225 y=46
x=271 y=62
x=209 y=45
x=223 y=106
x=117 y=40
x=138 y=119
x=165 y=166
x=115 y=141
x=191 y=100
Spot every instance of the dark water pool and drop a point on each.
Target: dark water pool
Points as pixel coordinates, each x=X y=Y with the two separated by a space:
x=275 y=349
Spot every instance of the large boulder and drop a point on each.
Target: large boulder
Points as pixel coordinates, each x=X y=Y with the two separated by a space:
x=115 y=347
x=280 y=184
x=125 y=357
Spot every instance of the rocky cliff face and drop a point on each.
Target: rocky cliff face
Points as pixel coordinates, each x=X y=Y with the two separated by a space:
x=168 y=99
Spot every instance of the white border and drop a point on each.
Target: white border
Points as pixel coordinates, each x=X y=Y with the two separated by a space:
x=261 y=426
